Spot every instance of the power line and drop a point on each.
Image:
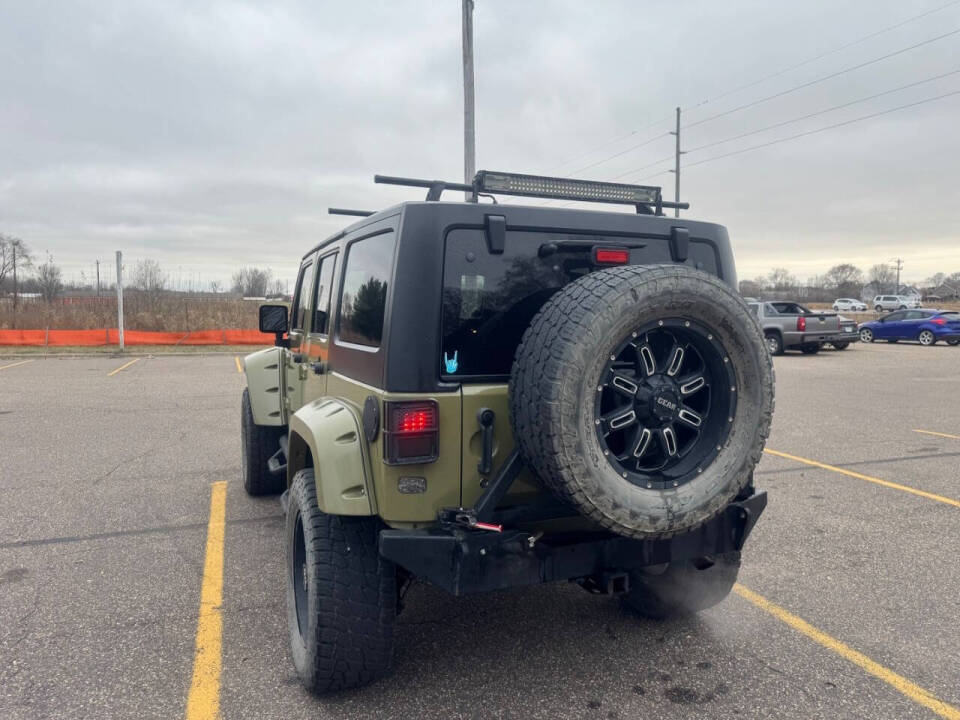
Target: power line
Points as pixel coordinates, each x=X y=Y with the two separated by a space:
x=622 y=152
x=822 y=79
x=824 y=111
x=763 y=79
x=822 y=55
x=820 y=130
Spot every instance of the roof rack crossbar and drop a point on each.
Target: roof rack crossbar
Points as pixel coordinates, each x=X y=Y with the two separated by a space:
x=435 y=187
x=348 y=211
x=646 y=199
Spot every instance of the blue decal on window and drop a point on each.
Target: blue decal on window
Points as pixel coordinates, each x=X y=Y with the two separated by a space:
x=451 y=362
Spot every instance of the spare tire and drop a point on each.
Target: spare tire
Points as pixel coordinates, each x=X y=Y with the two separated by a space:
x=642 y=395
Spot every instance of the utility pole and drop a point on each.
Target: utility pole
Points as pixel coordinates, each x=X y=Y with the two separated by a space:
x=120 y=298
x=676 y=168
x=469 y=134
x=98 y=277
x=899 y=263
x=16 y=249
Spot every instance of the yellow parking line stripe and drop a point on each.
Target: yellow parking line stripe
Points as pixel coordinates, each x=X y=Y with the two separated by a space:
x=878 y=481
x=22 y=362
x=898 y=682
x=929 y=432
x=236 y=359
x=203 y=702
x=123 y=367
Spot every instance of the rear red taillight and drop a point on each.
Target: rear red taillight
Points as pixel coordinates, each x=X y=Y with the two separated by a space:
x=410 y=432
x=801 y=323
x=611 y=256
x=938 y=321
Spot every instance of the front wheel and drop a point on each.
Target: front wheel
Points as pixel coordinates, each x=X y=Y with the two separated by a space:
x=866 y=335
x=953 y=341
x=927 y=338
x=683 y=588
x=878 y=308
x=341 y=594
x=257 y=444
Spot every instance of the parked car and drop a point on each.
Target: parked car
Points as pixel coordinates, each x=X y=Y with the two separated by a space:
x=924 y=326
x=895 y=302
x=848 y=328
x=849 y=304
x=791 y=326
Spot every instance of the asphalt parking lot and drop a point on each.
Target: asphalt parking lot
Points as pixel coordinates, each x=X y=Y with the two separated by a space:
x=848 y=604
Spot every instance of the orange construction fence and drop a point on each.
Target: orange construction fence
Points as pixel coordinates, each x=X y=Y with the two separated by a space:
x=51 y=338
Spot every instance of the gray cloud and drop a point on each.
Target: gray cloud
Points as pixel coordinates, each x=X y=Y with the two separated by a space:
x=209 y=135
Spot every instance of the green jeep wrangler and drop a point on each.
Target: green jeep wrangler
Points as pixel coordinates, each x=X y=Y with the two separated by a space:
x=484 y=396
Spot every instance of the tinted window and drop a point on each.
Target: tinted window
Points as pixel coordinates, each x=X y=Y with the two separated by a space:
x=302 y=297
x=951 y=316
x=489 y=300
x=895 y=316
x=367 y=271
x=321 y=295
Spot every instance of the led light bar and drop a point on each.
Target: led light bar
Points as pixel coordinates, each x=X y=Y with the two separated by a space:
x=565 y=188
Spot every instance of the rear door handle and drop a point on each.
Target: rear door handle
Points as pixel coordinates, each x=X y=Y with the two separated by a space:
x=486 y=416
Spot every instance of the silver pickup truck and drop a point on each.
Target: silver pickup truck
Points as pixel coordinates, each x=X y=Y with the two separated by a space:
x=791 y=326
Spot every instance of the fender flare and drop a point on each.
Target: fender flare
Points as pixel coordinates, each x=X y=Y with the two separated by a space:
x=326 y=434
x=264 y=373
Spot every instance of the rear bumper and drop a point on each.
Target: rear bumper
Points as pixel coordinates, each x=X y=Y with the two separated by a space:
x=465 y=561
x=792 y=339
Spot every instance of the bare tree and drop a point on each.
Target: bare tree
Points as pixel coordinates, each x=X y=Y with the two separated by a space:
x=781 y=279
x=14 y=254
x=883 y=275
x=251 y=282
x=147 y=275
x=216 y=286
x=751 y=288
x=49 y=279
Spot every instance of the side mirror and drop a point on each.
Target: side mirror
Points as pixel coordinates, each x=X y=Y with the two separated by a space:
x=273 y=319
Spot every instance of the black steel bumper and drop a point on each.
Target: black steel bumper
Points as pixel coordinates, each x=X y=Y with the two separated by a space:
x=465 y=560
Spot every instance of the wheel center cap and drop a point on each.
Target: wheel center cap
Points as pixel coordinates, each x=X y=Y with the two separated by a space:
x=665 y=405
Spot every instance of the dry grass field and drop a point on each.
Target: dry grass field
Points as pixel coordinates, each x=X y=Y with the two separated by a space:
x=142 y=311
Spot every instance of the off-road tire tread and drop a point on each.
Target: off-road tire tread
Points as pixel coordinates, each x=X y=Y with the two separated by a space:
x=260 y=443
x=536 y=376
x=357 y=603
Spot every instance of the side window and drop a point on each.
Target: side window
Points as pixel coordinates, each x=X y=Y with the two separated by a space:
x=321 y=295
x=756 y=308
x=301 y=299
x=367 y=270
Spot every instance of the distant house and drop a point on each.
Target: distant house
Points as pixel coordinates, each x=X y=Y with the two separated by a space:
x=943 y=291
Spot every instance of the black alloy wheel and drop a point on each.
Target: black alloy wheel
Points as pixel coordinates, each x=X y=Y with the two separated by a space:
x=665 y=401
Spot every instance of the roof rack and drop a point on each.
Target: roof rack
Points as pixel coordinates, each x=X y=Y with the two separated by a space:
x=347 y=211
x=647 y=199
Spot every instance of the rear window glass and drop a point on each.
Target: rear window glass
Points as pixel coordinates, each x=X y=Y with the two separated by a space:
x=489 y=300
x=366 y=273
x=952 y=316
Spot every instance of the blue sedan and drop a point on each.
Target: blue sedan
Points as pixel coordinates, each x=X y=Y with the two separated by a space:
x=924 y=326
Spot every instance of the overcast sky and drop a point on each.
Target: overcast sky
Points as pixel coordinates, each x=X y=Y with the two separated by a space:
x=215 y=134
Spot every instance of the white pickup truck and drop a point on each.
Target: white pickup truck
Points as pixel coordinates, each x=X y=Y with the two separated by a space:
x=791 y=326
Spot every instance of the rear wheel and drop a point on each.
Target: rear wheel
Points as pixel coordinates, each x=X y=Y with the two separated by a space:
x=810 y=348
x=841 y=345
x=341 y=594
x=683 y=588
x=642 y=396
x=866 y=335
x=926 y=337
x=257 y=444
x=774 y=343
